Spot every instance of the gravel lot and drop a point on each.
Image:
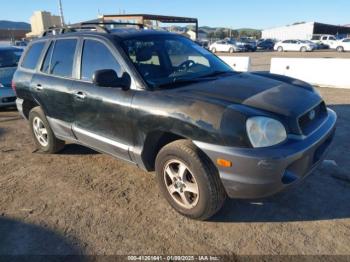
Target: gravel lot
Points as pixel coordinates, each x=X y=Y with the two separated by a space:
x=80 y=201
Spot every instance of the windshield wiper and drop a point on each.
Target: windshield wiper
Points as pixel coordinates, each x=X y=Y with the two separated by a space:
x=178 y=81
x=216 y=73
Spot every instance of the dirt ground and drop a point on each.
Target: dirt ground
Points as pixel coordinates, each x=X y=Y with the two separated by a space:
x=80 y=201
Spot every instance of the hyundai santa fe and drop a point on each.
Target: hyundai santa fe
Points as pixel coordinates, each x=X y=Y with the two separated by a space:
x=163 y=103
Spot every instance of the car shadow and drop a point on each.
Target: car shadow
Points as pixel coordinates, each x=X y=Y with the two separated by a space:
x=75 y=149
x=321 y=196
x=30 y=242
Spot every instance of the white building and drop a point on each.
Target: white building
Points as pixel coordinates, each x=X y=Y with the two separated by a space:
x=41 y=21
x=304 y=31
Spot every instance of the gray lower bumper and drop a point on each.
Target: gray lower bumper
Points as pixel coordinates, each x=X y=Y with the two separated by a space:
x=19 y=105
x=260 y=172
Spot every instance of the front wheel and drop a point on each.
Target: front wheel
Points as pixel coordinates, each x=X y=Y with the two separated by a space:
x=231 y=50
x=303 y=49
x=213 y=50
x=42 y=132
x=280 y=49
x=340 y=49
x=189 y=181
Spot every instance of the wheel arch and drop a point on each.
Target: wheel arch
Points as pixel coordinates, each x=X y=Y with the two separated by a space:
x=153 y=143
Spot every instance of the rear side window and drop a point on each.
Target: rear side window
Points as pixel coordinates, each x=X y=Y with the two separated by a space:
x=96 y=56
x=63 y=57
x=32 y=56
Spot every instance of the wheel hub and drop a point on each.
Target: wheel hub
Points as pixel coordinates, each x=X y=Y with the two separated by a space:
x=181 y=184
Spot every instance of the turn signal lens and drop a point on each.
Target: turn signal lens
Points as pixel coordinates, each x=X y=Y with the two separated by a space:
x=223 y=162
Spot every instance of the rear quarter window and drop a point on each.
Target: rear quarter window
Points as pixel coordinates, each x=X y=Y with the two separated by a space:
x=32 y=55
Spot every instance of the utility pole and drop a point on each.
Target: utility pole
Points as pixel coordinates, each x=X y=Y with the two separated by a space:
x=61 y=12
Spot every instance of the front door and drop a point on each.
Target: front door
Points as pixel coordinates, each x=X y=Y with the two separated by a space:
x=102 y=118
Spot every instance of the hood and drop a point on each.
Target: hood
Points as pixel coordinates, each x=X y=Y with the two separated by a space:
x=285 y=98
x=6 y=75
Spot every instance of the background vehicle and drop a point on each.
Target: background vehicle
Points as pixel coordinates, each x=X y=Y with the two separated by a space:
x=249 y=44
x=341 y=45
x=294 y=45
x=163 y=103
x=265 y=45
x=324 y=41
x=226 y=46
x=203 y=43
x=9 y=57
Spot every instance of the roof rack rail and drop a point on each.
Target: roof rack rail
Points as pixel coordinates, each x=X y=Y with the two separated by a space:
x=98 y=26
x=112 y=23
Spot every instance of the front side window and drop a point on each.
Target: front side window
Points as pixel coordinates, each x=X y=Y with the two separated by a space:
x=63 y=57
x=164 y=60
x=32 y=56
x=9 y=57
x=96 y=56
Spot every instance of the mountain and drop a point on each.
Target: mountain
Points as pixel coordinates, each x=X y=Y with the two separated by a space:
x=14 y=25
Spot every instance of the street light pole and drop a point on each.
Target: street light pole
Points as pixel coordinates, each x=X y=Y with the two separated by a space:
x=61 y=12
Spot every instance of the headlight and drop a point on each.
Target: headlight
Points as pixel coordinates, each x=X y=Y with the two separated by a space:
x=264 y=131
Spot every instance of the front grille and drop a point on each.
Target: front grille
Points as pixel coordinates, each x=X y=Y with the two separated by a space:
x=312 y=119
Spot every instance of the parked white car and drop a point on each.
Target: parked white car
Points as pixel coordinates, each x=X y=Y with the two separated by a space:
x=225 y=46
x=294 y=45
x=341 y=45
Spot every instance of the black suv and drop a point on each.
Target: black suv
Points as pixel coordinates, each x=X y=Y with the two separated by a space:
x=162 y=102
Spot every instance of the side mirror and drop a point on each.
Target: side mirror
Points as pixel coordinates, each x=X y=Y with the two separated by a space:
x=109 y=78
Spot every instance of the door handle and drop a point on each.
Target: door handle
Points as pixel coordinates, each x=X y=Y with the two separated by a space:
x=39 y=87
x=80 y=95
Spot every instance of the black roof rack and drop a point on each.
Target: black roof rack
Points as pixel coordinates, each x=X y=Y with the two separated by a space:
x=96 y=26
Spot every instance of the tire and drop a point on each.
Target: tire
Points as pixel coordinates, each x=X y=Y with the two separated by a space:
x=42 y=133
x=280 y=49
x=213 y=50
x=200 y=176
x=231 y=50
x=303 y=49
x=340 y=49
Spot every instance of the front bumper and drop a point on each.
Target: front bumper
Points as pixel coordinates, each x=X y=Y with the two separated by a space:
x=261 y=172
x=7 y=97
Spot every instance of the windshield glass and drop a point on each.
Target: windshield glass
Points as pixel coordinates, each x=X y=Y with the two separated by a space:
x=9 y=57
x=165 y=60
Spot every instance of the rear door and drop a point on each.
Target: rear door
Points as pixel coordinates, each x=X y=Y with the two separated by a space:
x=53 y=83
x=101 y=114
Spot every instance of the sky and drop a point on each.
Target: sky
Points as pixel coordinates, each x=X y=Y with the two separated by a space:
x=259 y=14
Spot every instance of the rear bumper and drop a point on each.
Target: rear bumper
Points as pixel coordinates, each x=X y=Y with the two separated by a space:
x=7 y=97
x=261 y=172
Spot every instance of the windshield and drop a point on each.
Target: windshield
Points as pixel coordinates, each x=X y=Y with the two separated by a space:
x=165 y=60
x=9 y=57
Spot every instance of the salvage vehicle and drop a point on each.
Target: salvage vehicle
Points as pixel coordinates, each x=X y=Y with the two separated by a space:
x=9 y=57
x=160 y=101
x=341 y=45
x=295 y=45
x=226 y=46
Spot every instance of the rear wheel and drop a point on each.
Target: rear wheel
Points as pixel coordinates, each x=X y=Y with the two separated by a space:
x=280 y=49
x=189 y=181
x=42 y=132
x=340 y=49
x=213 y=50
x=231 y=50
x=303 y=49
